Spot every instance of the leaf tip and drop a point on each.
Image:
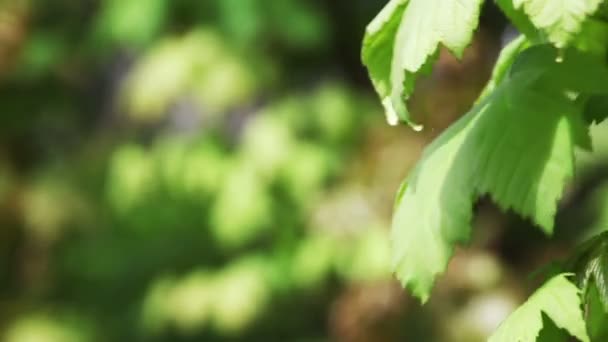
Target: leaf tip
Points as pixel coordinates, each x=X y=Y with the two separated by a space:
x=418 y=287
x=391 y=114
x=393 y=118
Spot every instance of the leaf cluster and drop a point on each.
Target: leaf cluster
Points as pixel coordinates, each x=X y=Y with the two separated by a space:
x=516 y=144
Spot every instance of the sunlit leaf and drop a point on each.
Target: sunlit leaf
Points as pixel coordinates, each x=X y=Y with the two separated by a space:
x=559 y=299
x=559 y=20
x=503 y=64
x=403 y=39
x=516 y=145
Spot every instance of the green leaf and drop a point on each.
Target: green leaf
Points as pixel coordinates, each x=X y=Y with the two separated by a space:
x=590 y=264
x=551 y=332
x=516 y=145
x=596 y=109
x=559 y=299
x=403 y=39
x=503 y=63
x=425 y=217
x=595 y=314
x=520 y=20
x=593 y=36
x=559 y=21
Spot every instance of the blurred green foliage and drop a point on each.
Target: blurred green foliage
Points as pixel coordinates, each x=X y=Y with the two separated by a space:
x=161 y=164
x=213 y=170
